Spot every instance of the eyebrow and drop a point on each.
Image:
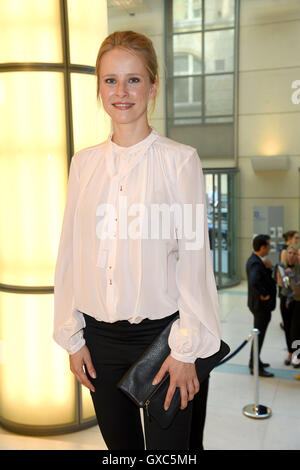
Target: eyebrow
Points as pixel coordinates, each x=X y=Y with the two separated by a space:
x=115 y=75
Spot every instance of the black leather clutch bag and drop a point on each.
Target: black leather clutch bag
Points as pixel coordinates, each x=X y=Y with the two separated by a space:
x=137 y=381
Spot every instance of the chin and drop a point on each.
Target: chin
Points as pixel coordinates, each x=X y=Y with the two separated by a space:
x=125 y=119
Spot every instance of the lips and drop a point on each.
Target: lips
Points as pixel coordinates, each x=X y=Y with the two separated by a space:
x=123 y=106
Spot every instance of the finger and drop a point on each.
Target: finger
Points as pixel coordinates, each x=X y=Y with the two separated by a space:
x=82 y=378
x=160 y=374
x=169 y=395
x=191 y=390
x=184 y=395
x=90 y=368
x=196 y=385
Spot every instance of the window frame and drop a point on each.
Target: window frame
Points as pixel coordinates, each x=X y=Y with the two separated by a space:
x=203 y=119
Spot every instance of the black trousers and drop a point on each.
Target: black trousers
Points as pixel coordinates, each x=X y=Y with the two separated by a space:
x=295 y=327
x=114 y=347
x=286 y=314
x=261 y=322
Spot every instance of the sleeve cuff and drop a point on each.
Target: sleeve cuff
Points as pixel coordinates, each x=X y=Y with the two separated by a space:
x=183 y=358
x=76 y=347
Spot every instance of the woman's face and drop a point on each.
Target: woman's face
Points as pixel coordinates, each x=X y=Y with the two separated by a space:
x=295 y=239
x=125 y=86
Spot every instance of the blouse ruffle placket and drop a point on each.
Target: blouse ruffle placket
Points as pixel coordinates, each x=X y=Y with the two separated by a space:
x=108 y=246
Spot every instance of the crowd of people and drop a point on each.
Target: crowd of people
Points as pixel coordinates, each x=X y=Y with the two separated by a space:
x=265 y=283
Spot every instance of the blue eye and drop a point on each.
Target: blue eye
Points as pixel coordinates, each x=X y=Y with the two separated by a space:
x=135 y=79
x=109 y=80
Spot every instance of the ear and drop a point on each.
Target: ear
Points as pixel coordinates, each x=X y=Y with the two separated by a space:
x=153 y=89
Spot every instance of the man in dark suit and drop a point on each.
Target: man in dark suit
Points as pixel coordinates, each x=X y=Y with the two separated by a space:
x=261 y=294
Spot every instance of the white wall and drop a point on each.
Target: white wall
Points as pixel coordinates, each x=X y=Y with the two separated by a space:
x=268 y=121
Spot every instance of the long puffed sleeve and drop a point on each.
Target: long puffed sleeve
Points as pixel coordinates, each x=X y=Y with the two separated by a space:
x=68 y=322
x=197 y=333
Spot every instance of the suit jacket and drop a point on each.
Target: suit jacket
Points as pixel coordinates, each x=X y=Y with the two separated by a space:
x=260 y=282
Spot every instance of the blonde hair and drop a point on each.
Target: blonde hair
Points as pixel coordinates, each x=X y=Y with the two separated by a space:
x=133 y=42
x=285 y=254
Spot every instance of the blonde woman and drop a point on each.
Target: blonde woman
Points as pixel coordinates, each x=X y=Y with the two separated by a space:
x=286 y=267
x=115 y=290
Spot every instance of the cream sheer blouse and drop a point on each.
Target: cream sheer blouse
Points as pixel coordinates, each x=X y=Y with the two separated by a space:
x=130 y=274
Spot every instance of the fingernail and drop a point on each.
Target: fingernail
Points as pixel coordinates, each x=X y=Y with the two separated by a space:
x=166 y=407
x=94 y=375
x=154 y=382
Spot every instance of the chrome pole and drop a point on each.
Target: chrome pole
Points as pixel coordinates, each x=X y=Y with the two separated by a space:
x=256 y=410
x=255 y=366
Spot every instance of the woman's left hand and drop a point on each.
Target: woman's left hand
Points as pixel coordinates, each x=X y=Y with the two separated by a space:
x=182 y=375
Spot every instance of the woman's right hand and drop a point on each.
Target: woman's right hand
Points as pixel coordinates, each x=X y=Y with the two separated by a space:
x=77 y=361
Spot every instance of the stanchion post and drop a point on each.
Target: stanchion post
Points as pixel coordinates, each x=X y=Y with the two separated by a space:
x=255 y=366
x=256 y=410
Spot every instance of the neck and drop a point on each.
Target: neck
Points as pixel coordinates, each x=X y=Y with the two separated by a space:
x=259 y=254
x=127 y=135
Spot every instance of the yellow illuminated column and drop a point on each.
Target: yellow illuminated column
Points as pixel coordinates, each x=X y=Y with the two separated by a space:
x=48 y=110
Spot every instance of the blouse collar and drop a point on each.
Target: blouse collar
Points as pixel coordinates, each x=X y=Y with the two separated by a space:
x=135 y=152
x=134 y=147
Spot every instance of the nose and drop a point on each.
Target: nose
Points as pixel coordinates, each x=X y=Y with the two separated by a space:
x=121 y=89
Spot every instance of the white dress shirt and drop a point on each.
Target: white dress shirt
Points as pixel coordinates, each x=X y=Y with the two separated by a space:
x=127 y=276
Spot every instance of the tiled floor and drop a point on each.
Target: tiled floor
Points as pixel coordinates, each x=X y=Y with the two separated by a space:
x=231 y=388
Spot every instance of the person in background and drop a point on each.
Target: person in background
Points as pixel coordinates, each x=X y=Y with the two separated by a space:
x=261 y=294
x=291 y=238
x=293 y=300
x=298 y=255
x=286 y=293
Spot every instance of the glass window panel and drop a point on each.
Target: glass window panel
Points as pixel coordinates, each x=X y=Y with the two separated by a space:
x=33 y=162
x=187 y=97
x=30 y=31
x=36 y=384
x=181 y=90
x=196 y=8
x=219 y=95
x=187 y=90
x=181 y=64
x=224 y=218
x=197 y=92
x=187 y=15
x=91 y=124
x=196 y=64
x=225 y=213
x=188 y=45
x=219 y=47
x=87 y=29
x=219 y=13
x=180 y=10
